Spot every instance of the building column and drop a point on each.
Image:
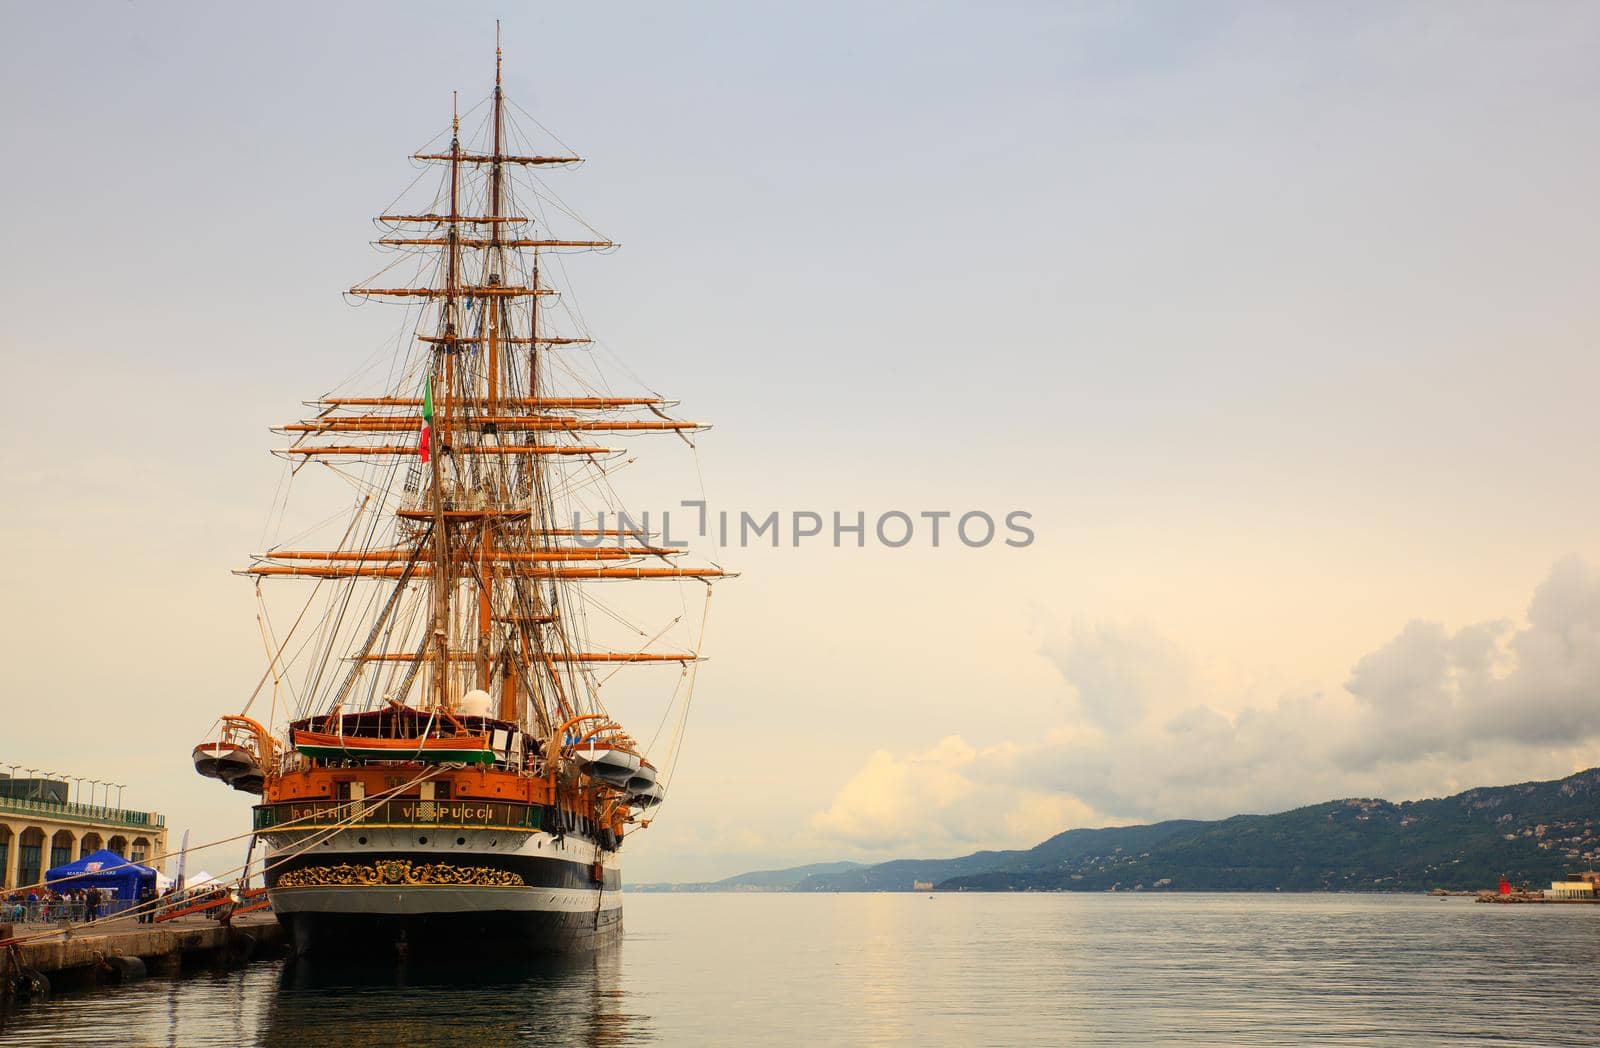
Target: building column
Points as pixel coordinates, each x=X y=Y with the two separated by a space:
x=13 y=851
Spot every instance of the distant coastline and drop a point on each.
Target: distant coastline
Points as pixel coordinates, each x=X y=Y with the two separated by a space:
x=1530 y=833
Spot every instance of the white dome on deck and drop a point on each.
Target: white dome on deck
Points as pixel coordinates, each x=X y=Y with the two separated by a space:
x=475 y=703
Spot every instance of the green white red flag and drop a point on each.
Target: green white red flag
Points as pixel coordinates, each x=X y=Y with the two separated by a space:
x=425 y=444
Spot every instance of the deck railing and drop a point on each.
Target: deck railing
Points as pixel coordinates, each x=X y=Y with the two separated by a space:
x=83 y=813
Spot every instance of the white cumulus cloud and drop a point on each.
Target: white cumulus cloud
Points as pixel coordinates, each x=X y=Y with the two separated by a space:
x=1431 y=711
x=946 y=796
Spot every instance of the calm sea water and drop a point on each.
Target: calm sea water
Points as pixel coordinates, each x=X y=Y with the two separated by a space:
x=913 y=969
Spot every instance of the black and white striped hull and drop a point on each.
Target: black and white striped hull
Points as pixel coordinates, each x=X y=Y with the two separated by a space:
x=376 y=891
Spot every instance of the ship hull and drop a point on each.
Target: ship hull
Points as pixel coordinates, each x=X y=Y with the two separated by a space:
x=505 y=932
x=529 y=894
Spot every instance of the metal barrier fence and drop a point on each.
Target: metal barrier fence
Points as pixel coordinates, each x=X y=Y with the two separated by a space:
x=49 y=911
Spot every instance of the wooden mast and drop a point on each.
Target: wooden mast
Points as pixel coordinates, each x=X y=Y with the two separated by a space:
x=486 y=530
x=441 y=574
x=496 y=256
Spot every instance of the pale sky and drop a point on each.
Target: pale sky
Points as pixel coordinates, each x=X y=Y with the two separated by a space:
x=1278 y=318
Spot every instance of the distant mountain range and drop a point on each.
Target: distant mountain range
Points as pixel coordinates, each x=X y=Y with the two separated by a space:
x=755 y=881
x=1533 y=833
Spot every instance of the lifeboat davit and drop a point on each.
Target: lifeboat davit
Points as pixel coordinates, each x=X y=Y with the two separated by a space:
x=607 y=762
x=224 y=760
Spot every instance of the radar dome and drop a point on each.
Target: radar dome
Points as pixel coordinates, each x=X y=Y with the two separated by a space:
x=475 y=703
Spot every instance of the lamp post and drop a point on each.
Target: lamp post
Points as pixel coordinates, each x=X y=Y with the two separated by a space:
x=94 y=801
x=119 y=786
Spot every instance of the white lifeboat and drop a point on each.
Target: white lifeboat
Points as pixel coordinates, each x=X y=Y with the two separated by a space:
x=223 y=760
x=238 y=755
x=607 y=762
x=643 y=777
x=648 y=797
x=251 y=780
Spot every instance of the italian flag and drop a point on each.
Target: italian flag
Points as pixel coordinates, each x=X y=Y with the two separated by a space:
x=425 y=443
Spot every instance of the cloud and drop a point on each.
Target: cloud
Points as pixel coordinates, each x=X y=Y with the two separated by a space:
x=945 y=796
x=1429 y=712
x=1438 y=693
x=1118 y=672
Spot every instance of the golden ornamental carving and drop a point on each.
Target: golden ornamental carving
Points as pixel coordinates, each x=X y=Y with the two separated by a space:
x=398 y=872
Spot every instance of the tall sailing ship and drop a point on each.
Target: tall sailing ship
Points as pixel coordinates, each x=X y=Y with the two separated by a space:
x=436 y=763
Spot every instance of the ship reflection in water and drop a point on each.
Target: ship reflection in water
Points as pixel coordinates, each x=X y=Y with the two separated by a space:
x=556 y=1001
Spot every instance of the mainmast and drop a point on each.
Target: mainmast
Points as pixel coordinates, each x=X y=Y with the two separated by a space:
x=443 y=579
x=496 y=266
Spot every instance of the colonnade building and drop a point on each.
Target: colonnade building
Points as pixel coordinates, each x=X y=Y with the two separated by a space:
x=43 y=826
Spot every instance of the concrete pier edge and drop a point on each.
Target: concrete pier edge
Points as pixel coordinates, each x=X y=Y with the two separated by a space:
x=84 y=958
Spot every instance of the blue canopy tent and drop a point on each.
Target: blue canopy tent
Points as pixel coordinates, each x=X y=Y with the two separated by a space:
x=105 y=870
